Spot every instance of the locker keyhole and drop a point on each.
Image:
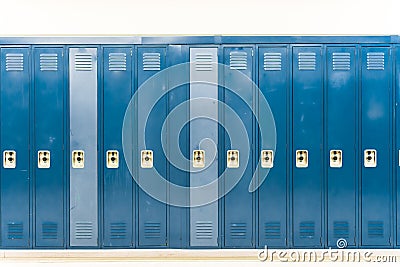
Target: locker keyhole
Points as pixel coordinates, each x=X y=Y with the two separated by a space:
x=112 y=159
x=9 y=159
x=233 y=159
x=43 y=159
x=370 y=158
x=198 y=159
x=301 y=158
x=78 y=159
x=267 y=159
x=335 y=159
x=147 y=159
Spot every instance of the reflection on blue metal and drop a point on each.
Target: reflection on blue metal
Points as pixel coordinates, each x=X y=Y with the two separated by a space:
x=333 y=178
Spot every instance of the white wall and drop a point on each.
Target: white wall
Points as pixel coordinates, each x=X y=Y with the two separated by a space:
x=155 y=17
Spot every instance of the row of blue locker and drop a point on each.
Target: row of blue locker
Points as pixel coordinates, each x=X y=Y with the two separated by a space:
x=333 y=174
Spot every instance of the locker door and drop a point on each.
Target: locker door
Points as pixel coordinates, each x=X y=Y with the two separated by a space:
x=152 y=213
x=341 y=125
x=239 y=203
x=397 y=134
x=178 y=216
x=48 y=160
x=203 y=219
x=307 y=146
x=15 y=172
x=83 y=146
x=118 y=183
x=274 y=84
x=376 y=135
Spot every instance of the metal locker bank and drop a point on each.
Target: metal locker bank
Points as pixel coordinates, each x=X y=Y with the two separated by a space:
x=199 y=142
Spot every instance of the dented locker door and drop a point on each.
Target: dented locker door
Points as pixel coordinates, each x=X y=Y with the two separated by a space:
x=15 y=170
x=83 y=147
x=341 y=153
x=274 y=85
x=375 y=138
x=152 y=213
x=48 y=153
x=239 y=203
x=307 y=146
x=203 y=137
x=118 y=184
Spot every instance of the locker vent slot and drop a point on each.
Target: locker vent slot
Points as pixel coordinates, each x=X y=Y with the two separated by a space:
x=341 y=229
x=15 y=230
x=203 y=62
x=272 y=230
x=204 y=230
x=307 y=61
x=151 y=61
x=238 y=230
x=48 y=62
x=83 y=62
x=118 y=230
x=307 y=230
x=152 y=230
x=49 y=230
x=117 y=62
x=238 y=60
x=376 y=61
x=341 y=61
x=375 y=229
x=272 y=61
x=14 y=62
x=84 y=230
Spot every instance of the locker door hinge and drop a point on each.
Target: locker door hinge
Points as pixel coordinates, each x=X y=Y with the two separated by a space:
x=131 y=52
x=252 y=52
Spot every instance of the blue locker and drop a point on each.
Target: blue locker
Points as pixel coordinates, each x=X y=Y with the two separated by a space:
x=118 y=184
x=307 y=146
x=397 y=142
x=204 y=225
x=178 y=216
x=239 y=203
x=376 y=135
x=273 y=71
x=48 y=162
x=152 y=213
x=83 y=147
x=341 y=152
x=15 y=172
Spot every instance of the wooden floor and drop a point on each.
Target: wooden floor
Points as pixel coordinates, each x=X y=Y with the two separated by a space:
x=168 y=257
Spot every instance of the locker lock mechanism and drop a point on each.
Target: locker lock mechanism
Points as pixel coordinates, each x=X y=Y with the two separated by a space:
x=9 y=159
x=112 y=159
x=147 y=159
x=335 y=159
x=301 y=158
x=370 y=158
x=267 y=159
x=43 y=159
x=78 y=159
x=232 y=158
x=199 y=159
